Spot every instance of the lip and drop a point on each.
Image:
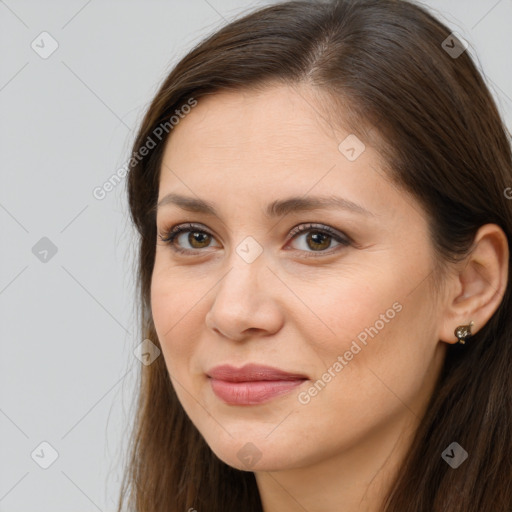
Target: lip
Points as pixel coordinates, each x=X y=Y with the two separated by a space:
x=252 y=384
x=251 y=372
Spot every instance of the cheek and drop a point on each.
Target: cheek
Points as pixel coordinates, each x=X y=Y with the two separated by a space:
x=379 y=361
x=341 y=310
x=176 y=308
x=362 y=328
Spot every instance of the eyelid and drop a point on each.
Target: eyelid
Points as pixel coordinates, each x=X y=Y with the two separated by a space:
x=179 y=228
x=173 y=232
x=342 y=239
x=315 y=226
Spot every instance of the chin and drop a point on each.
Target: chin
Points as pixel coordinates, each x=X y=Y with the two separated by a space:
x=246 y=455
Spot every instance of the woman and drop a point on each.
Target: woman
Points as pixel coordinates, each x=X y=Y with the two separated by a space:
x=320 y=190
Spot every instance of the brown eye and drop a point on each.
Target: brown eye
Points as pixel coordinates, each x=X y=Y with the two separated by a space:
x=317 y=239
x=189 y=238
x=197 y=239
x=179 y=236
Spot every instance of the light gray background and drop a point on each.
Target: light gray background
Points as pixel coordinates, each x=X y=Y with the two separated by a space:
x=68 y=326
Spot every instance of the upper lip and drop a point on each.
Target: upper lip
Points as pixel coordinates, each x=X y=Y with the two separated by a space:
x=251 y=372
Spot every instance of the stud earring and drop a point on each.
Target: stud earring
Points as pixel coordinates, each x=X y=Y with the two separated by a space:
x=463 y=332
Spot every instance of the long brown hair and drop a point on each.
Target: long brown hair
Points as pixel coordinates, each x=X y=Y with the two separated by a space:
x=444 y=141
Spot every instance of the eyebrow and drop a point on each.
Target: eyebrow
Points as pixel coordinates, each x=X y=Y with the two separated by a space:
x=277 y=208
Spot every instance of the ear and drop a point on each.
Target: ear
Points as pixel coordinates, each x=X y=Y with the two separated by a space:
x=476 y=289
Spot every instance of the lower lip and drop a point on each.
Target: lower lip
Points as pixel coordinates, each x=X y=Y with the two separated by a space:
x=252 y=393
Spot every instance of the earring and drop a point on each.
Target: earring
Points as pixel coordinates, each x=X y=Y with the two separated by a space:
x=463 y=332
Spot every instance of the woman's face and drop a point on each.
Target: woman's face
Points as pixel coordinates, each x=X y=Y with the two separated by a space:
x=344 y=303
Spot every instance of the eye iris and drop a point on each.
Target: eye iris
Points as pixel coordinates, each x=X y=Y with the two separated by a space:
x=313 y=237
x=192 y=238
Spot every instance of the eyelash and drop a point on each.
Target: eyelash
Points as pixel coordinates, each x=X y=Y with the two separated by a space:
x=172 y=233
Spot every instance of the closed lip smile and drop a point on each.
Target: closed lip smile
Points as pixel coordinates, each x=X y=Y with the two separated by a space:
x=251 y=384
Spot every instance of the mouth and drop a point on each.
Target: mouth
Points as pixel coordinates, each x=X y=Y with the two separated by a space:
x=252 y=384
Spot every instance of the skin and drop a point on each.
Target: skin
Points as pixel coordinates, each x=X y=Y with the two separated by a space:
x=340 y=451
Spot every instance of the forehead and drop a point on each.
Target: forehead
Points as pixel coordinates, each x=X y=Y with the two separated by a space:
x=240 y=146
x=279 y=129
x=278 y=118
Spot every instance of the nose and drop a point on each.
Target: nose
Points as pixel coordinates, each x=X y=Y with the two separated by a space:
x=246 y=303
